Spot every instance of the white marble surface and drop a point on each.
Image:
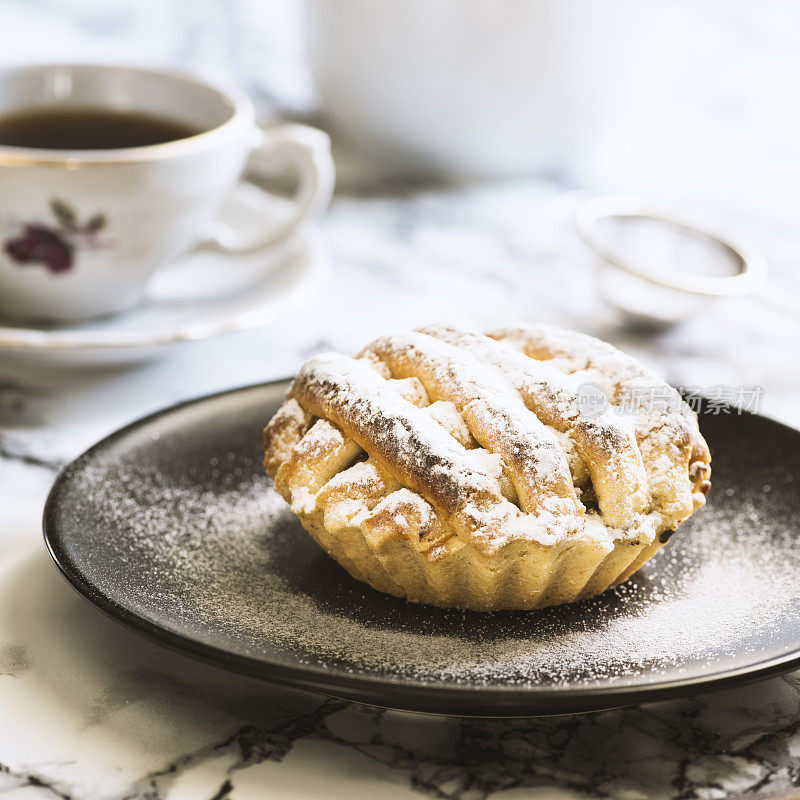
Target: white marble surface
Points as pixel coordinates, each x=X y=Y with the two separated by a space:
x=89 y=710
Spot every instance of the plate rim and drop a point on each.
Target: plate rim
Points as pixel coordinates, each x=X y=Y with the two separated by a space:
x=382 y=691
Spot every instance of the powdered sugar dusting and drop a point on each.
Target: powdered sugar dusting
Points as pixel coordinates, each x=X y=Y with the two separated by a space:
x=213 y=553
x=494 y=412
x=352 y=396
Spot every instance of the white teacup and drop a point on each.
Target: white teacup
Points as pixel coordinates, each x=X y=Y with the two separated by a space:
x=82 y=231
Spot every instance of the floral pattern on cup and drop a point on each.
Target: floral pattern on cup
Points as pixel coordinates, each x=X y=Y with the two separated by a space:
x=54 y=245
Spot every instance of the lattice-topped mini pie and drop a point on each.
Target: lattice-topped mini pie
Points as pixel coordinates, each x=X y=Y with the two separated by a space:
x=468 y=470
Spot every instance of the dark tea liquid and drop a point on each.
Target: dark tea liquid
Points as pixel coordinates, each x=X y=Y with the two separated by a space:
x=87 y=129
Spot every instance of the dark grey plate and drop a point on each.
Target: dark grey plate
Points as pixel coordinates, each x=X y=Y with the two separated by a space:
x=170 y=527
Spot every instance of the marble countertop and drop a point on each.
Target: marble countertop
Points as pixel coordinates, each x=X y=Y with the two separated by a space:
x=89 y=710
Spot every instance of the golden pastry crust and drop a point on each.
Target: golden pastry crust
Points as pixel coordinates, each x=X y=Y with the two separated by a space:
x=460 y=469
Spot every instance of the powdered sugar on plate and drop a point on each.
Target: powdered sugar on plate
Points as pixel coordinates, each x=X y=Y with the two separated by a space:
x=209 y=551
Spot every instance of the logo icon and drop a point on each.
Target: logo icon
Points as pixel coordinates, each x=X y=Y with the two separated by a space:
x=592 y=400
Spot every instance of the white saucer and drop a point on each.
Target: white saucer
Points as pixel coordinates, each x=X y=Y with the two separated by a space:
x=207 y=293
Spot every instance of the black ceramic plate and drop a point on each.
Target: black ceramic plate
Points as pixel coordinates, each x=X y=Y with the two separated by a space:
x=170 y=527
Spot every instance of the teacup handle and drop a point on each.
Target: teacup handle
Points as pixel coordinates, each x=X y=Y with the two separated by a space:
x=308 y=151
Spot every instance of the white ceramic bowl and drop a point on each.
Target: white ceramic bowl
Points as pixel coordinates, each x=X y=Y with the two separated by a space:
x=658 y=270
x=481 y=87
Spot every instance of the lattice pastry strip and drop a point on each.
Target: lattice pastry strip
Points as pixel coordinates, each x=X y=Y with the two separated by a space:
x=607 y=449
x=405 y=441
x=495 y=415
x=449 y=467
x=665 y=428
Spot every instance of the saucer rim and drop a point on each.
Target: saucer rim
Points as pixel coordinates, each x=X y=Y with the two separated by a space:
x=306 y=246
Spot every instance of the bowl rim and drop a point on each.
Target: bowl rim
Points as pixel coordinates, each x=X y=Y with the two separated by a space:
x=751 y=261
